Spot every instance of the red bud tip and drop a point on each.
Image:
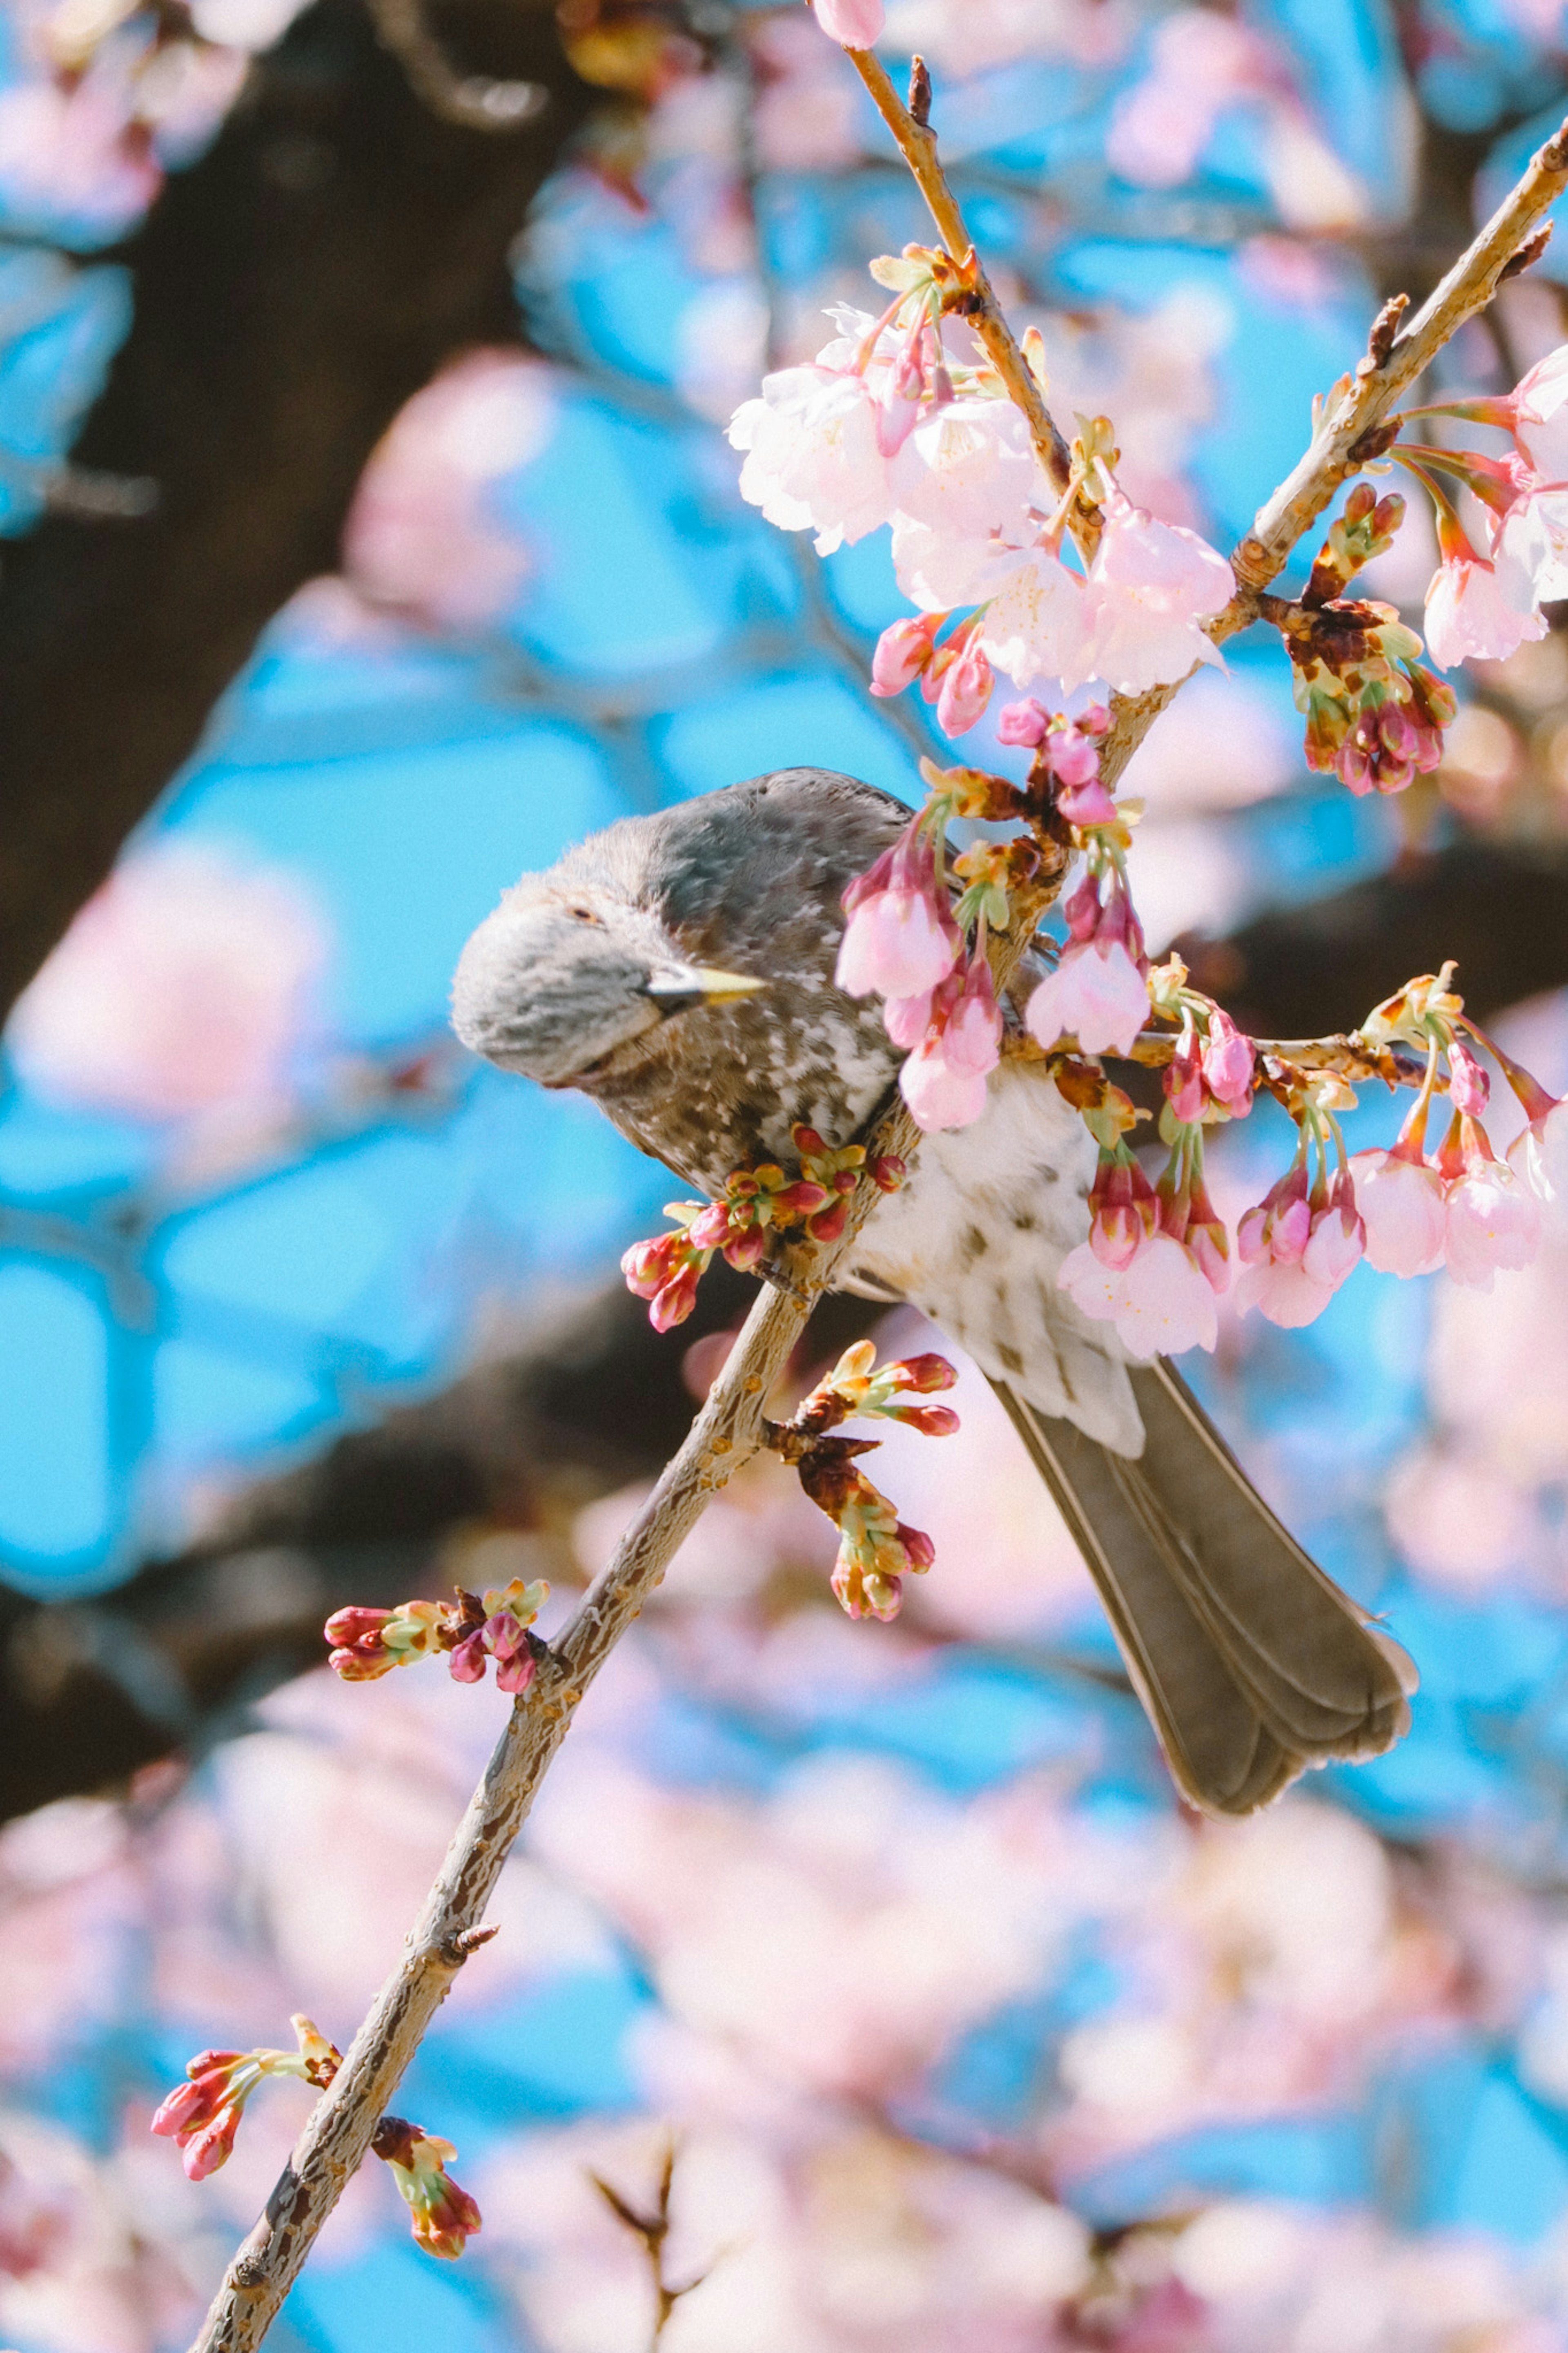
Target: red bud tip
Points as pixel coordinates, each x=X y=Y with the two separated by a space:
x=927 y=1374
x=828 y=1224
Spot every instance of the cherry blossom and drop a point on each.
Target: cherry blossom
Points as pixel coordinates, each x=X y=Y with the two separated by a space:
x=1297 y=1246
x=181 y=989
x=901 y=940
x=1400 y=1198
x=943 y=1080
x=424 y=536
x=903 y=651
x=1151 y=585
x=1161 y=1302
x=813 y=460
x=1480 y=610
x=1098 y=992
x=1036 y=620
x=67 y=155
x=1492 y=1217
x=965 y=689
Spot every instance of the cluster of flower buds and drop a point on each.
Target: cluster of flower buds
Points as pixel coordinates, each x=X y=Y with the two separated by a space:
x=445 y=2216
x=860 y=1389
x=1302 y=1240
x=755 y=1203
x=471 y=1631
x=957 y=676
x=1099 y=992
x=876 y=1549
x=1461 y=1207
x=201 y=2115
x=906 y=941
x=1375 y=713
x=1157 y=1257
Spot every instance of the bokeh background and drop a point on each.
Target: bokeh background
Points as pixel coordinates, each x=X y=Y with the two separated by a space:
x=371 y=535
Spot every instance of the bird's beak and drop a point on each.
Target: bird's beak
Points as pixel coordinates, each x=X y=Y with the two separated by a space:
x=678 y=987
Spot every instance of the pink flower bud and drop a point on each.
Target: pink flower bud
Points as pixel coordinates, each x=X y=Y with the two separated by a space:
x=710 y=1230
x=746 y=1250
x=1023 y=723
x=1227 y=1059
x=965 y=692
x=1073 y=758
x=1469 y=1089
x=903 y=651
x=1492 y=1221
x=354 y=1627
x=1087 y=805
x=828 y=1224
x=927 y=1374
x=674 y=1303
x=888 y=1171
x=1184 y=1080
x=467 y=1659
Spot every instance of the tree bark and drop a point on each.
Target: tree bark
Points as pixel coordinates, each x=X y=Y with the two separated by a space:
x=292 y=289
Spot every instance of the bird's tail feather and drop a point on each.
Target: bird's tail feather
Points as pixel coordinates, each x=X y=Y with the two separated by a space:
x=1252 y=1663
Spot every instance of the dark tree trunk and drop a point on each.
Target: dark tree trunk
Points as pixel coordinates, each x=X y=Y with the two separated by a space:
x=292 y=289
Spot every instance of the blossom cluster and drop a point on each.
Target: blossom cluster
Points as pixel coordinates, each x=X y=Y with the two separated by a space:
x=117 y=94
x=887 y=426
x=876 y=1550
x=201 y=2115
x=368 y=1643
x=755 y=1203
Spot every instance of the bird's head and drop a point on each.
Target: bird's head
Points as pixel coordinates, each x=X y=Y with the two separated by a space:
x=560 y=976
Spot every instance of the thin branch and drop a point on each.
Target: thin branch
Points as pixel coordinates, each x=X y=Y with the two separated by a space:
x=473 y=101
x=728 y=1430
x=917 y=141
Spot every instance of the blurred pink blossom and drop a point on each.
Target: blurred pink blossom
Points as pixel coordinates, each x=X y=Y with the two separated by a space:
x=182 y=988
x=73 y=156
x=425 y=535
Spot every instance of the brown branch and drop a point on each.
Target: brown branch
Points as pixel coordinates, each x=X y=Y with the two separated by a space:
x=916 y=143
x=651 y=2230
x=728 y=1430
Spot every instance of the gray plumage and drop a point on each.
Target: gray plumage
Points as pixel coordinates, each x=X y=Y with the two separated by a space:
x=609 y=974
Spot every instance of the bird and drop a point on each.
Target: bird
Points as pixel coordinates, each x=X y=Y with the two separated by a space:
x=677 y=968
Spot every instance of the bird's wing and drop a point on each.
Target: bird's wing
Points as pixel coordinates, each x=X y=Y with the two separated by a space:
x=976 y=1238
x=1251 y=1664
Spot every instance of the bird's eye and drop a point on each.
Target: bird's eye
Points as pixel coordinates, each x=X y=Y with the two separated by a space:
x=585 y=915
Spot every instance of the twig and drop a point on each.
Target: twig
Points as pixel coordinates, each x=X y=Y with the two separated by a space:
x=728 y=1430
x=916 y=143
x=651 y=2230
x=474 y=101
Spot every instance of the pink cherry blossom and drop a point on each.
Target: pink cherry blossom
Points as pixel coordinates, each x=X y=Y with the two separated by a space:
x=944 y=1081
x=1162 y=1302
x=1097 y=995
x=1151 y=585
x=1297 y=1248
x=1124 y=1211
x=1534 y=535
x=69 y=156
x=1479 y=610
x=854 y=23
x=1098 y=991
x=812 y=457
x=1540 y=401
x=181 y=989
x=1036 y=620
x=1400 y=1198
x=424 y=536
x=1492 y=1221
x=967 y=482
x=1023 y=723
x=1539 y=1154
x=900 y=939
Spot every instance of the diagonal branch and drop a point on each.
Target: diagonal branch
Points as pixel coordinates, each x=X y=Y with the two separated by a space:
x=728 y=1430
